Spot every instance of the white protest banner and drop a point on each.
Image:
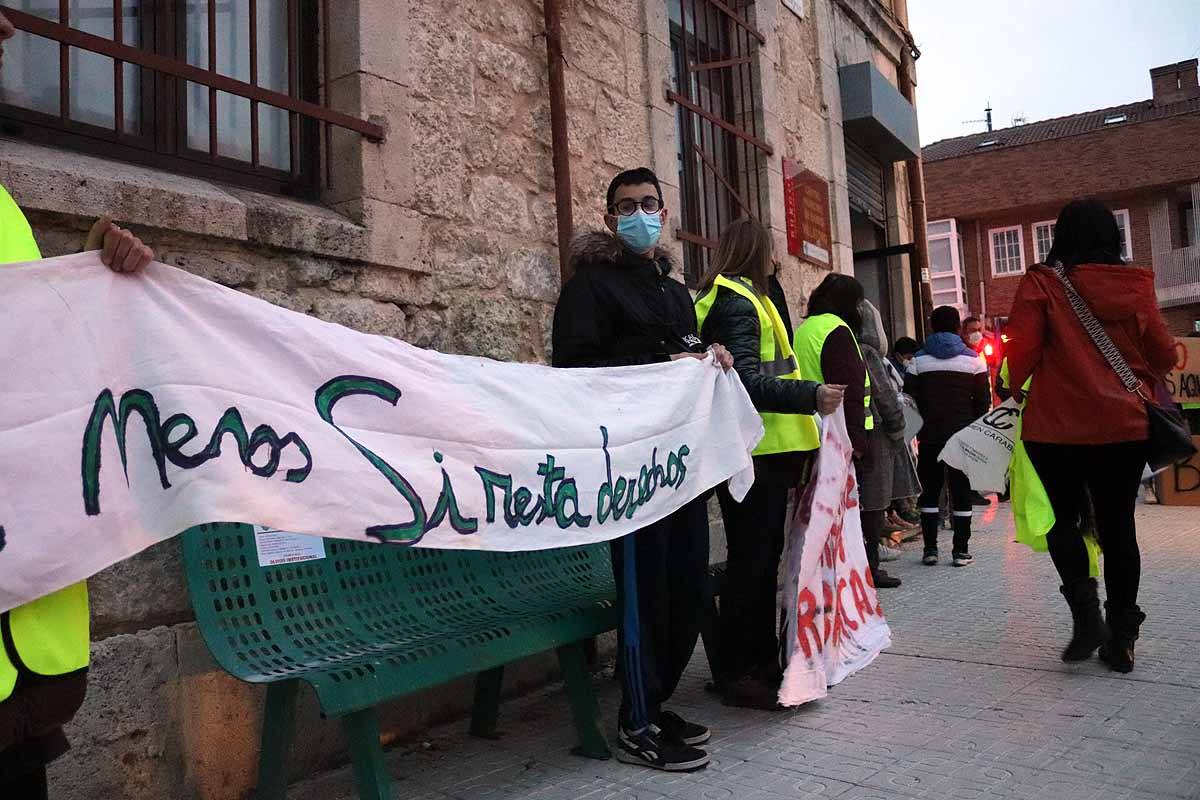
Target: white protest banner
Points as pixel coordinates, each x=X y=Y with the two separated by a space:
x=835 y=624
x=983 y=449
x=135 y=407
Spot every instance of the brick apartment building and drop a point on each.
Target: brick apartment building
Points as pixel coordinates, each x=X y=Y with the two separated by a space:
x=993 y=197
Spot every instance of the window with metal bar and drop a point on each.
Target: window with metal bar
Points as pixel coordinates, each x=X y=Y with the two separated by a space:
x=721 y=155
x=225 y=89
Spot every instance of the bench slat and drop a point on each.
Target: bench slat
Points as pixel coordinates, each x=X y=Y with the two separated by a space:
x=371 y=622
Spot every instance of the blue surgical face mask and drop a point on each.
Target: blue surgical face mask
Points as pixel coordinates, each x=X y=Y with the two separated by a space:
x=639 y=231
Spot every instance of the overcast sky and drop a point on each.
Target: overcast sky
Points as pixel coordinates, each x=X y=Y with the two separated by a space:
x=1040 y=58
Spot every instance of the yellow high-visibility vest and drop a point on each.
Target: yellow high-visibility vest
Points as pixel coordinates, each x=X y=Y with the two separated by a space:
x=785 y=433
x=810 y=342
x=50 y=635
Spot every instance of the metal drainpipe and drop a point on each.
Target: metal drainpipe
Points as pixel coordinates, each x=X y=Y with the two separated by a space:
x=552 y=10
x=916 y=181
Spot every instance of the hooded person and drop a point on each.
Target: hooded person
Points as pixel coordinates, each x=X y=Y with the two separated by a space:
x=877 y=483
x=949 y=382
x=622 y=307
x=1081 y=428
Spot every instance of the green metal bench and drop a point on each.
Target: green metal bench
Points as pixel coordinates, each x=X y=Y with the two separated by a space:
x=371 y=623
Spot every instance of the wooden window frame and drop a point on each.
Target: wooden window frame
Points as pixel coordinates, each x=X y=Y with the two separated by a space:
x=992 y=232
x=958 y=267
x=1037 y=250
x=724 y=53
x=164 y=71
x=1125 y=223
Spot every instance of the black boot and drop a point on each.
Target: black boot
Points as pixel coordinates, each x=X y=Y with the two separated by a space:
x=1090 y=631
x=1118 y=651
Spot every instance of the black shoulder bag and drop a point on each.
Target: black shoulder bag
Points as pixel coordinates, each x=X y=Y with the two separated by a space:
x=1170 y=441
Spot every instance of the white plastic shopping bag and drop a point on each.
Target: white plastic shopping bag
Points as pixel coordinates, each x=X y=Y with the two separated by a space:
x=984 y=448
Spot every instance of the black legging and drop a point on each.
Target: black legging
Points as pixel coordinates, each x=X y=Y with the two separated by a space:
x=754 y=533
x=1112 y=474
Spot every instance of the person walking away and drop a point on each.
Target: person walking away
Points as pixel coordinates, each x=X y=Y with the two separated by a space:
x=734 y=307
x=44 y=644
x=876 y=476
x=622 y=307
x=1081 y=428
x=949 y=382
x=828 y=352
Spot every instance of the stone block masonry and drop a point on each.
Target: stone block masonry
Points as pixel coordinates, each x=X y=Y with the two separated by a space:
x=442 y=235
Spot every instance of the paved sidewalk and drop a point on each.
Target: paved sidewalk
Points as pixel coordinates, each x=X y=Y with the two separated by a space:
x=970 y=702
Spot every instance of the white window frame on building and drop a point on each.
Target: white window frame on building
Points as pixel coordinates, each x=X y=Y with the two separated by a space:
x=1123 y=222
x=956 y=295
x=1007 y=271
x=1039 y=228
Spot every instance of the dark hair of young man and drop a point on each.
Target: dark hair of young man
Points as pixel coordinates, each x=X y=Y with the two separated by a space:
x=906 y=346
x=969 y=320
x=838 y=295
x=945 y=319
x=632 y=177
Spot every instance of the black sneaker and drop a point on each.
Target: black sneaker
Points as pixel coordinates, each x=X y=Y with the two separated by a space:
x=650 y=748
x=979 y=500
x=963 y=559
x=677 y=729
x=930 y=558
x=884 y=581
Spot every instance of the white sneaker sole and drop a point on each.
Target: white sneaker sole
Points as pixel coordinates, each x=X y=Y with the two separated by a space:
x=626 y=757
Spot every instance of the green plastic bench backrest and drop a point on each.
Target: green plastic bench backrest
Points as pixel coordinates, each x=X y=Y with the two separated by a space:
x=265 y=624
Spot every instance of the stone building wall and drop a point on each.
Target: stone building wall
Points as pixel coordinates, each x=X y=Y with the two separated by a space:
x=443 y=235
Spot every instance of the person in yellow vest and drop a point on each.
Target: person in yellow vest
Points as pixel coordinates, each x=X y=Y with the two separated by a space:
x=44 y=644
x=734 y=307
x=828 y=350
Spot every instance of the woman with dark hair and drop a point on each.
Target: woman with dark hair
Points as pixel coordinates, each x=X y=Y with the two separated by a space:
x=827 y=350
x=1081 y=427
x=734 y=307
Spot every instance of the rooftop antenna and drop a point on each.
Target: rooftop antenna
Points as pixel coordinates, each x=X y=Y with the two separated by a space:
x=1019 y=120
x=987 y=119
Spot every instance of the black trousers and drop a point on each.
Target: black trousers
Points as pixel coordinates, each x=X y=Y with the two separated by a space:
x=29 y=786
x=754 y=531
x=1112 y=474
x=670 y=566
x=934 y=475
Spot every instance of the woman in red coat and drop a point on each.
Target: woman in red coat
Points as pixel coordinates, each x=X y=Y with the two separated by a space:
x=1081 y=427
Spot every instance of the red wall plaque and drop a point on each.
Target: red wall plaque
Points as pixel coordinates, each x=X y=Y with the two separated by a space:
x=806 y=206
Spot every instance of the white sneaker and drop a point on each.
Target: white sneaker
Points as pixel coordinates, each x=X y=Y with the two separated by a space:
x=888 y=553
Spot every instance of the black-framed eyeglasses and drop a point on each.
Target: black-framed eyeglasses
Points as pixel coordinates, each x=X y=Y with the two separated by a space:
x=628 y=207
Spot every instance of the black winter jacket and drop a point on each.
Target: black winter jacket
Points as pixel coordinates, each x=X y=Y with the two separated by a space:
x=620 y=308
x=733 y=322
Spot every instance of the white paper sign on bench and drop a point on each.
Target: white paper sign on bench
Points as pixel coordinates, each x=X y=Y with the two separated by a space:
x=134 y=407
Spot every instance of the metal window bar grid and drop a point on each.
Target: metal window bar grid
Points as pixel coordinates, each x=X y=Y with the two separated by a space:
x=723 y=155
x=167 y=35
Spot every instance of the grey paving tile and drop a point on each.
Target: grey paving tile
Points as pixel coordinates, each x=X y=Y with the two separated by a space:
x=971 y=703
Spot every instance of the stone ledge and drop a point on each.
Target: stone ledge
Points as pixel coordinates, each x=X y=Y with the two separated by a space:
x=75 y=184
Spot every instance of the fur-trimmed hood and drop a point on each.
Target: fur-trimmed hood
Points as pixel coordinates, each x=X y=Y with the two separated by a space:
x=601 y=249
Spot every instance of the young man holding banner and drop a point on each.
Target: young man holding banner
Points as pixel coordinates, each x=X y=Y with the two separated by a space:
x=620 y=308
x=44 y=644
